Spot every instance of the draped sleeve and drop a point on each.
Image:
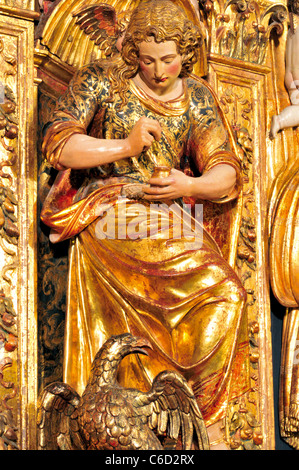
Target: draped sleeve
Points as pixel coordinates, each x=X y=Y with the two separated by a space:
x=74 y=111
x=211 y=141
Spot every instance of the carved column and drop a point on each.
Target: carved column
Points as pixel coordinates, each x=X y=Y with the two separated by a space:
x=242 y=71
x=18 y=326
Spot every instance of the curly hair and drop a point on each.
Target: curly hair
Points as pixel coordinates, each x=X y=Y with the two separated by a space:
x=164 y=21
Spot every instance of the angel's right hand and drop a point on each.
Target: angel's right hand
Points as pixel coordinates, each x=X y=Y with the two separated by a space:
x=143 y=134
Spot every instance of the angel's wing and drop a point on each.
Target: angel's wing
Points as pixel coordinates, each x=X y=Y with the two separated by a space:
x=80 y=31
x=100 y=24
x=171 y=407
x=56 y=418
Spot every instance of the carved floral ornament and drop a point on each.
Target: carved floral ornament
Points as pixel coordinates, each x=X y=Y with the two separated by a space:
x=241 y=29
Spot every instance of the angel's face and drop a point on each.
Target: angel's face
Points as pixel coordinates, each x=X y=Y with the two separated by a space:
x=159 y=65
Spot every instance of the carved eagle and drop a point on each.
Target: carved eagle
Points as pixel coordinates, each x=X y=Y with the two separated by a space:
x=109 y=416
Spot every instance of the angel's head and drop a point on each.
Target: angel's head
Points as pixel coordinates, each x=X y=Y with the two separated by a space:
x=161 y=21
x=154 y=22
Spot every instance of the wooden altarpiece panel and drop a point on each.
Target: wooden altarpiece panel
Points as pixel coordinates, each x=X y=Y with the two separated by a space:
x=18 y=247
x=241 y=68
x=242 y=92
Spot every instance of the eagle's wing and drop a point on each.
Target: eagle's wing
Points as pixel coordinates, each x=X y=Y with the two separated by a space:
x=171 y=407
x=57 y=418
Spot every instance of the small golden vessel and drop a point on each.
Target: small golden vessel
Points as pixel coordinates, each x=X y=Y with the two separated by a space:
x=161 y=171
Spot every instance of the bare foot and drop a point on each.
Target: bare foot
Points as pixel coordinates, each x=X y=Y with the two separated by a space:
x=275 y=127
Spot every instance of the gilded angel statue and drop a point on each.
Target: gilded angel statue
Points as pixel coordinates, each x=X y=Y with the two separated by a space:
x=123 y=115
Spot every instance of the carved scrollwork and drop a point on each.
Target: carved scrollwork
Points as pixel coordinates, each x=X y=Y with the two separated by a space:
x=9 y=231
x=8 y=332
x=239 y=106
x=9 y=235
x=247 y=248
x=241 y=28
x=242 y=426
x=8 y=434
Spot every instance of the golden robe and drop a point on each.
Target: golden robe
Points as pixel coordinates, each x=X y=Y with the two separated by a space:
x=284 y=272
x=185 y=299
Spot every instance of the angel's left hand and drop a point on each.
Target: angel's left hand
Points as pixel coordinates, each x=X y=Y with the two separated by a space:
x=176 y=185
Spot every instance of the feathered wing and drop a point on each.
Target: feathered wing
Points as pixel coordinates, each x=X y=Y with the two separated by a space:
x=80 y=31
x=170 y=407
x=99 y=22
x=56 y=418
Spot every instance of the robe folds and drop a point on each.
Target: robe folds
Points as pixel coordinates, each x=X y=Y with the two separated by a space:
x=150 y=269
x=284 y=275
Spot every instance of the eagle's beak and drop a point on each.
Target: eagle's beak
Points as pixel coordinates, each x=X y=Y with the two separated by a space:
x=140 y=345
